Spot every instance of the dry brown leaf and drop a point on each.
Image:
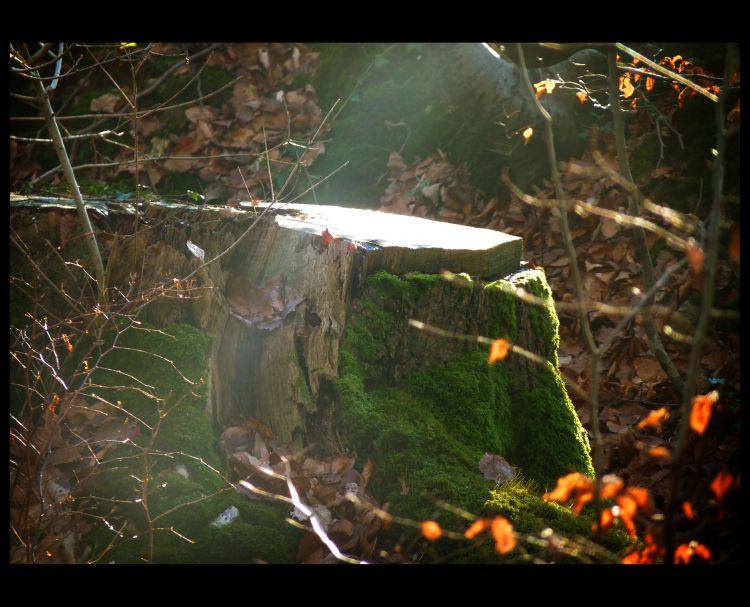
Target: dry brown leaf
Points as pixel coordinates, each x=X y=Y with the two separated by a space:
x=648 y=369
x=496 y=468
x=106 y=103
x=316 y=467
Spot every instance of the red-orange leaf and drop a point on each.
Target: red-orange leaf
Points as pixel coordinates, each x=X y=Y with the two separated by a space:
x=701 y=412
x=696 y=257
x=327 y=237
x=68 y=344
x=605 y=520
x=498 y=350
x=566 y=485
x=655 y=418
x=582 y=96
x=628 y=508
x=649 y=83
x=659 y=452
x=626 y=87
x=641 y=497
x=611 y=486
x=721 y=484
x=527 y=135
x=734 y=245
x=684 y=552
x=502 y=531
x=631 y=558
x=687 y=508
x=431 y=530
x=477 y=527
x=545 y=86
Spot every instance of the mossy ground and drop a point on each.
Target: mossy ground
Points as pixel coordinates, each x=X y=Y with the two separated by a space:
x=427 y=419
x=185 y=437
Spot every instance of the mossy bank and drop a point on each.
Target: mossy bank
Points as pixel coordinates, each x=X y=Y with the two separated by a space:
x=187 y=481
x=426 y=408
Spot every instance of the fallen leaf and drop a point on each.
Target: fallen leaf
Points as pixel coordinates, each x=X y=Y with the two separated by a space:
x=327 y=237
x=687 y=508
x=654 y=419
x=315 y=467
x=367 y=471
x=342 y=463
x=496 y=468
x=106 y=103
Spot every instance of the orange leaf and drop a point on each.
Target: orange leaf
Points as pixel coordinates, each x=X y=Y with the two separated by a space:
x=701 y=413
x=684 y=552
x=649 y=83
x=351 y=248
x=327 y=237
x=702 y=551
x=605 y=520
x=545 y=86
x=68 y=345
x=611 y=486
x=631 y=558
x=583 y=498
x=696 y=257
x=626 y=87
x=582 y=96
x=502 y=531
x=566 y=485
x=477 y=527
x=721 y=484
x=659 y=452
x=628 y=508
x=498 y=350
x=687 y=508
x=54 y=403
x=431 y=530
x=641 y=497
x=655 y=418
x=527 y=135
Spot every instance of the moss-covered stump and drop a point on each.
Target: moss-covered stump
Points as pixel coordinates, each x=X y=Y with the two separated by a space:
x=426 y=408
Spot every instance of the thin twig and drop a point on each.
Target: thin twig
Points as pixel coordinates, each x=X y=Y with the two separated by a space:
x=679 y=454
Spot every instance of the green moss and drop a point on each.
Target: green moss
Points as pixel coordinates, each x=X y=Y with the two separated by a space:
x=426 y=411
x=521 y=503
x=185 y=437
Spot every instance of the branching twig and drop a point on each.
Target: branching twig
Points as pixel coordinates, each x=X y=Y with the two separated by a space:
x=707 y=298
x=573 y=259
x=644 y=257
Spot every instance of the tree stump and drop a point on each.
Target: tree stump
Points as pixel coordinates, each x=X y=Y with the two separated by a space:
x=310 y=315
